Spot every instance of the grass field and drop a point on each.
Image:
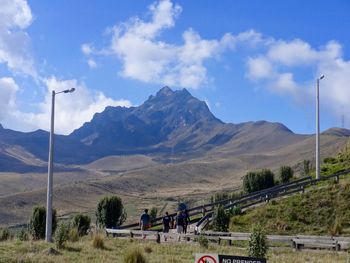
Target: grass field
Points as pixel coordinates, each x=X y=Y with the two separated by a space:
x=115 y=249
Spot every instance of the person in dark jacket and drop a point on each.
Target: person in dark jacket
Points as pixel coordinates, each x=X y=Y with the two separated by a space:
x=166 y=222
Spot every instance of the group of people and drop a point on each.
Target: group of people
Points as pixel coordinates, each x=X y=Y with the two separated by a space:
x=181 y=221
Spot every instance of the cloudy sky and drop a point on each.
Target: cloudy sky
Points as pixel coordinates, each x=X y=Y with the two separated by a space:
x=248 y=59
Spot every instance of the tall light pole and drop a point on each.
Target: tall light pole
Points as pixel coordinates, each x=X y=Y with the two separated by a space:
x=318 y=176
x=48 y=229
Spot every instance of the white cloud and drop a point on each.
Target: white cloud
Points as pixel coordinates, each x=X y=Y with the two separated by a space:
x=146 y=58
x=283 y=60
x=86 y=49
x=15 y=16
x=8 y=90
x=92 y=63
x=72 y=109
x=259 y=68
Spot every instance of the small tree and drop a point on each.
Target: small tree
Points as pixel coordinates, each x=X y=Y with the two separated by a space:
x=153 y=213
x=110 y=212
x=256 y=181
x=81 y=223
x=61 y=235
x=257 y=246
x=37 y=222
x=286 y=173
x=306 y=166
x=221 y=219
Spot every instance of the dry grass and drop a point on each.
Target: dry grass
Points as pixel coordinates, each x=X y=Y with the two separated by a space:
x=116 y=249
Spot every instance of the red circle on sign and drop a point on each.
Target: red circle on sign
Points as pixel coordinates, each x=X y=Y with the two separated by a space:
x=204 y=259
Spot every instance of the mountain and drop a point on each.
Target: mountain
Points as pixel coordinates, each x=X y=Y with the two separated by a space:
x=169 y=121
x=169 y=126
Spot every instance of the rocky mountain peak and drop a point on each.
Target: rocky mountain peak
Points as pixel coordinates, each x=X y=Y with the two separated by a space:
x=165 y=91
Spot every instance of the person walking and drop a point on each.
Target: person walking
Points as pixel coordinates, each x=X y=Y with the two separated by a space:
x=145 y=221
x=179 y=224
x=166 y=224
x=187 y=220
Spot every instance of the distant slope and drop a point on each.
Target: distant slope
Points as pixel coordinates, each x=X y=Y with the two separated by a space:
x=121 y=163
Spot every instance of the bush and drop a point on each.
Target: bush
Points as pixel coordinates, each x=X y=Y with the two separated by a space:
x=256 y=181
x=73 y=235
x=37 y=222
x=5 y=234
x=134 y=255
x=330 y=160
x=257 y=246
x=221 y=219
x=203 y=241
x=219 y=197
x=236 y=210
x=22 y=235
x=61 y=235
x=97 y=241
x=286 y=173
x=307 y=167
x=110 y=212
x=148 y=249
x=153 y=213
x=81 y=223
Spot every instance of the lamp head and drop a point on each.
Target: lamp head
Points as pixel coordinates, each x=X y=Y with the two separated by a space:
x=321 y=77
x=69 y=90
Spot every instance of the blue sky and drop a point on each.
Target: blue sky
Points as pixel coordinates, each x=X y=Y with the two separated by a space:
x=249 y=60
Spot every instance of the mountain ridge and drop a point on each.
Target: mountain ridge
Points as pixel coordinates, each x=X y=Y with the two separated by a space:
x=168 y=125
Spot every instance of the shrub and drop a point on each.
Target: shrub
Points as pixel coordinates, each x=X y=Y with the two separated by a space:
x=97 y=241
x=22 y=235
x=286 y=173
x=255 y=181
x=307 y=167
x=134 y=255
x=5 y=234
x=221 y=219
x=219 y=197
x=110 y=212
x=236 y=210
x=203 y=241
x=148 y=249
x=37 y=222
x=61 y=235
x=330 y=160
x=81 y=223
x=153 y=213
x=73 y=234
x=257 y=246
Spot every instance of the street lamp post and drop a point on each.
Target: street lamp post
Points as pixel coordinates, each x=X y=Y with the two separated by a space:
x=318 y=176
x=48 y=229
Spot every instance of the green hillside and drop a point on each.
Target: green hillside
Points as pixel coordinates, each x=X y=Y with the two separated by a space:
x=322 y=209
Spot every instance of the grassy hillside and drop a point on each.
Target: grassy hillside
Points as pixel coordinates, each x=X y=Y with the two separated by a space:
x=115 y=249
x=322 y=209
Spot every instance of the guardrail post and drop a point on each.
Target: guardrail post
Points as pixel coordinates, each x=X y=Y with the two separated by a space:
x=158 y=238
x=337 y=179
x=131 y=234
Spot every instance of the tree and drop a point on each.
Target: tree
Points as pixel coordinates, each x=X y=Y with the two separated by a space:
x=81 y=223
x=286 y=173
x=37 y=222
x=110 y=212
x=256 y=181
x=306 y=166
x=221 y=219
x=257 y=246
